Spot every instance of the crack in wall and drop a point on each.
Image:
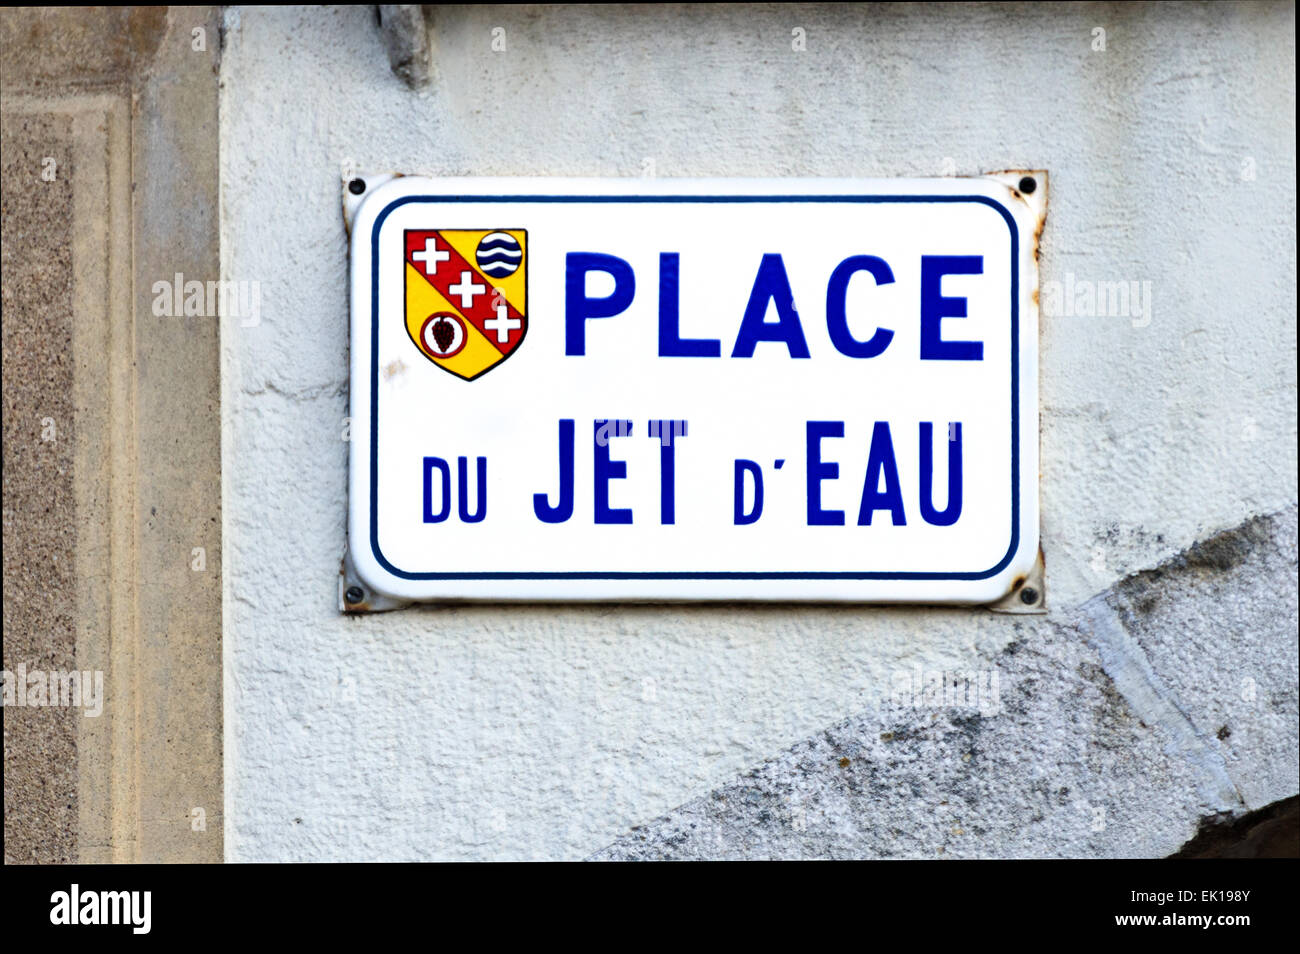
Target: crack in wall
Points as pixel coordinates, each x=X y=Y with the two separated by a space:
x=1151 y=700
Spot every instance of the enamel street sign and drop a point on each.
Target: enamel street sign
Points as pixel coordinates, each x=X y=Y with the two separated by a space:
x=695 y=389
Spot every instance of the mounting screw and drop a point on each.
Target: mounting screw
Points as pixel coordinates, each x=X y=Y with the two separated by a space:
x=358 y=186
x=1027 y=185
x=1029 y=596
x=354 y=595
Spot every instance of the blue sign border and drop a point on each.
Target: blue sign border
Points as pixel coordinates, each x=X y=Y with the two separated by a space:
x=690 y=575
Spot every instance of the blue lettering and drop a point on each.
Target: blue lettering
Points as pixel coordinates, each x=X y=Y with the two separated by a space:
x=462 y=472
x=837 y=322
x=739 y=515
x=819 y=471
x=880 y=461
x=578 y=307
x=671 y=344
x=935 y=308
x=606 y=470
x=667 y=432
x=430 y=463
x=770 y=284
x=948 y=516
x=564 y=509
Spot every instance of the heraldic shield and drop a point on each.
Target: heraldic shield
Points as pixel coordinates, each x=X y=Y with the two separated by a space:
x=467 y=296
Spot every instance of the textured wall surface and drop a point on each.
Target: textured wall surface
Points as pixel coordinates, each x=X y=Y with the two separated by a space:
x=1160 y=689
x=40 y=744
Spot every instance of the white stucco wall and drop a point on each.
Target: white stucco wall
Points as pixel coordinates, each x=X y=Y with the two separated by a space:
x=549 y=731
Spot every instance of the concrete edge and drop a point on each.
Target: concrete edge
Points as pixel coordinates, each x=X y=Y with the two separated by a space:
x=178 y=713
x=146 y=393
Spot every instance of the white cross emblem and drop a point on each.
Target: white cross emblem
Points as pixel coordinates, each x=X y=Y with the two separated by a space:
x=502 y=324
x=430 y=254
x=467 y=289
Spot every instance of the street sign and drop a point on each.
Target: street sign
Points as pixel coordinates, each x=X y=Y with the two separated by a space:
x=695 y=389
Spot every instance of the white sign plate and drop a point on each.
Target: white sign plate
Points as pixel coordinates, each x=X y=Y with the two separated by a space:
x=694 y=389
